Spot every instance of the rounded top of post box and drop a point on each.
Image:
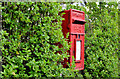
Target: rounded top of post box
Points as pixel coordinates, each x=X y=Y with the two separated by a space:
x=73 y=10
x=76 y=10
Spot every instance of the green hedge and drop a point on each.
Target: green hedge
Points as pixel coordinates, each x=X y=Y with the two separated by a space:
x=28 y=40
x=101 y=39
x=31 y=31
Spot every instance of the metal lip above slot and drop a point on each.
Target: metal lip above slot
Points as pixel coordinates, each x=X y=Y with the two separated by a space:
x=78 y=21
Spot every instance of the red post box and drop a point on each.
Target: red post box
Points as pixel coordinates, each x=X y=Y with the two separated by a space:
x=74 y=23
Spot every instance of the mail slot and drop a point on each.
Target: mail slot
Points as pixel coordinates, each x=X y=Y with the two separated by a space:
x=74 y=23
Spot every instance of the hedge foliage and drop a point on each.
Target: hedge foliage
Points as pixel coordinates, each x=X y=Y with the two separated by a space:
x=102 y=44
x=28 y=40
x=31 y=31
x=101 y=39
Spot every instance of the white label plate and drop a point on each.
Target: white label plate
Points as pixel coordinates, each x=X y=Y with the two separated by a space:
x=78 y=50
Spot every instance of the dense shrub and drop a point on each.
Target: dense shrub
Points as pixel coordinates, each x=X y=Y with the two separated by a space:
x=101 y=39
x=30 y=31
x=28 y=40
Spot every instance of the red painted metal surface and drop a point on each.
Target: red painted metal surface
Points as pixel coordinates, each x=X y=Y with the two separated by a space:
x=74 y=23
